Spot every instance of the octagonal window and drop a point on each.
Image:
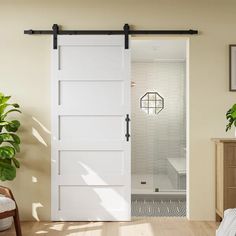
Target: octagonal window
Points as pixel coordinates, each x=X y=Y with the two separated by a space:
x=152 y=103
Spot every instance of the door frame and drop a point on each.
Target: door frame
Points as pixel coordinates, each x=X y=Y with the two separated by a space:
x=187 y=42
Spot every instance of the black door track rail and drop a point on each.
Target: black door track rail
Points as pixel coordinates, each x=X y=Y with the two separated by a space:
x=126 y=32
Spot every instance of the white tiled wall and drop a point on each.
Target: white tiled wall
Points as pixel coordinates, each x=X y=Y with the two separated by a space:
x=158 y=137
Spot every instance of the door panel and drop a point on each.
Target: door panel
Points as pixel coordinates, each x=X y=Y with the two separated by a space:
x=91 y=197
x=92 y=128
x=99 y=59
x=93 y=202
x=90 y=162
x=90 y=154
x=92 y=95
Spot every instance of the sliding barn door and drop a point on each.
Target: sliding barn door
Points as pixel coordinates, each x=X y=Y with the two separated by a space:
x=90 y=152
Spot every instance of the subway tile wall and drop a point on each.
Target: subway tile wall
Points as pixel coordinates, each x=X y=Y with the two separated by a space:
x=158 y=137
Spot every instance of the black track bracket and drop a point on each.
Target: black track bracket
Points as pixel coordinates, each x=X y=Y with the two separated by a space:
x=55 y=30
x=126 y=33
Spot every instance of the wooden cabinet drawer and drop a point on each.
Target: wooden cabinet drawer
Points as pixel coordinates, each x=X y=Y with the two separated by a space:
x=230 y=154
x=230 y=198
x=231 y=177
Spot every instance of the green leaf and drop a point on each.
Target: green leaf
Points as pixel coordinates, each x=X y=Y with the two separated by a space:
x=6 y=137
x=13 y=139
x=233 y=114
x=7 y=152
x=6 y=113
x=231 y=117
x=16 y=146
x=7 y=171
x=3 y=123
x=1 y=96
x=9 y=137
x=228 y=112
x=233 y=107
x=16 y=162
x=8 y=162
x=16 y=138
x=16 y=105
x=3 y=107
x=13 y=126
x=228 y=127
x=4 y=99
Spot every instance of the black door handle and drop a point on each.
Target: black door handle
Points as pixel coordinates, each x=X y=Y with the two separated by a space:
x=127 y=135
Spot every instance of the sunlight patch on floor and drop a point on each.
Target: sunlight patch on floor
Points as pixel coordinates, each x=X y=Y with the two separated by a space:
x=84 y=226
x=97 y=232
x=140 y=228
x=41 y=232
x=57 y=227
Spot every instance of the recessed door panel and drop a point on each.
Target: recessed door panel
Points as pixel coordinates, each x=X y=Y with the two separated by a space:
x=91 y=163
x=92 y=128
x=92 y=97
x=91 y=198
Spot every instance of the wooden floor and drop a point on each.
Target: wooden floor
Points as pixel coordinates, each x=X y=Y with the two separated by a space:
x=137 y=227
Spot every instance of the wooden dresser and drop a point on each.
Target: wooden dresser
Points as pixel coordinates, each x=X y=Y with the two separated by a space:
x=225 y=150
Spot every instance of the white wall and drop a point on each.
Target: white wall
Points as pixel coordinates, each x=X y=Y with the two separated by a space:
x=158 y=137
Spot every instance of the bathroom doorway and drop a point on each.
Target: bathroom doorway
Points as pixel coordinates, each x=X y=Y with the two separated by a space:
x=159 y=126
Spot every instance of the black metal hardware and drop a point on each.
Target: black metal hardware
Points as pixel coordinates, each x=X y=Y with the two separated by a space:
x=55 y=29
x=127 y=135
x=110 y=32
x=126 y=33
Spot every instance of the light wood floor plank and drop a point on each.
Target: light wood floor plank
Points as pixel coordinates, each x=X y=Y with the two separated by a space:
x=153 y=226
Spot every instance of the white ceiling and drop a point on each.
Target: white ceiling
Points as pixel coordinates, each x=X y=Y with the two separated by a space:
x=158 y=50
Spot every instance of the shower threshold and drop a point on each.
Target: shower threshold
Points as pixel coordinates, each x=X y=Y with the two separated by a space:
x=152 y=191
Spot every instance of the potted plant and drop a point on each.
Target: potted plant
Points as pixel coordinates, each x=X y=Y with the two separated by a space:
x=231 y=117
x=9 y=145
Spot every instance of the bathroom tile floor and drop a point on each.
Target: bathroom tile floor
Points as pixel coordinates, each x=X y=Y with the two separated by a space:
x=163 y=208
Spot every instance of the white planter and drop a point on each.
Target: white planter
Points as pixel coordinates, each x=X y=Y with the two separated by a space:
x=6 y=223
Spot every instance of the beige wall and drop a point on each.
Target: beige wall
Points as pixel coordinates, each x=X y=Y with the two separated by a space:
x=25 y=73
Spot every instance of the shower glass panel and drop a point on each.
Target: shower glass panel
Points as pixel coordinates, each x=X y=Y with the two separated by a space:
x=169 y=129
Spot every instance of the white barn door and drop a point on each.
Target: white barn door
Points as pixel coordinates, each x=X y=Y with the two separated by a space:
x=90 y=154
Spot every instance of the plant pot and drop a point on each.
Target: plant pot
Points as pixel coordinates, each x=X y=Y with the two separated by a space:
x=6 y=223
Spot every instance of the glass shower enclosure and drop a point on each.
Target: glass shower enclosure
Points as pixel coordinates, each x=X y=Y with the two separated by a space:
x=158 y=116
